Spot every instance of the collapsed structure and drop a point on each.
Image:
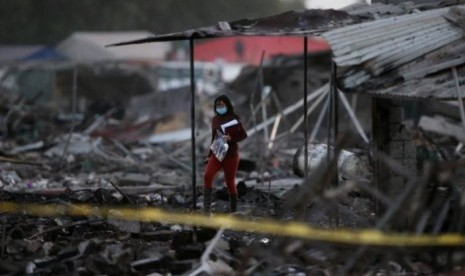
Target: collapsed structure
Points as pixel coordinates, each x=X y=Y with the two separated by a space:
x=392 y=53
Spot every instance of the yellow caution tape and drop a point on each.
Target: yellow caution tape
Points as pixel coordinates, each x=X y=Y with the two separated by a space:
x=291 y=229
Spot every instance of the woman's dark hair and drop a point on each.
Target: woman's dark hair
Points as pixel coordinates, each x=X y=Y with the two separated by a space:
x=226 y=101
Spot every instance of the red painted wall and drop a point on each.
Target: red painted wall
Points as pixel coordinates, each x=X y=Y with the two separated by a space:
x=253 y=46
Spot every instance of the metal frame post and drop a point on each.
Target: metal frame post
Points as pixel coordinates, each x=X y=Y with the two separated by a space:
x=194 y=175
x=305 y=110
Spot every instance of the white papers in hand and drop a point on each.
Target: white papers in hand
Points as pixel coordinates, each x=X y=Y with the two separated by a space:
x=228 y=124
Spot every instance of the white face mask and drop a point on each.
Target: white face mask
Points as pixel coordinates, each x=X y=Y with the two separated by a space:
x=221 y=110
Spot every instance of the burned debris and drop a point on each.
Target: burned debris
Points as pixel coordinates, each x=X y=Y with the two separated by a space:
x=385 y=197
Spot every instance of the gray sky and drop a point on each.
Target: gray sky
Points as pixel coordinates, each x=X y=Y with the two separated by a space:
x=329 y=4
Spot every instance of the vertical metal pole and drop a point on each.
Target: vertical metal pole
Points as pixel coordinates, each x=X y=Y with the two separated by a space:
x=335 y=118
x=194 y=177
x=336 y=128
x=264 y=113
x=375 y=138
x=305 y=111
x=330 y=121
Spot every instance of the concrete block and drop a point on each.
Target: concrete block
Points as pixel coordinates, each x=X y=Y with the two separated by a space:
x=410 y=150
x=398 y=132
x=395 y=115
x=410 y=165
x=396 y=150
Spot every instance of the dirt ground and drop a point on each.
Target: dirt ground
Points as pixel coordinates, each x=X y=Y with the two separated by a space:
x=104 y=246
x=43 y=162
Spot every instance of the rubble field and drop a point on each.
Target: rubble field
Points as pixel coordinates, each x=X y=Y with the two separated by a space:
x=43 y=164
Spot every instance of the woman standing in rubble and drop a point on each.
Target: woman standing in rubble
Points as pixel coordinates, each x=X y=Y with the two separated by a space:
x=228 y=124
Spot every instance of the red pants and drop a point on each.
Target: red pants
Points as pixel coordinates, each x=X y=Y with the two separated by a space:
x=229 y=166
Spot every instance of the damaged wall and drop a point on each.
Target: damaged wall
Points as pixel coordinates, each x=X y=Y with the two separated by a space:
x=397 y=142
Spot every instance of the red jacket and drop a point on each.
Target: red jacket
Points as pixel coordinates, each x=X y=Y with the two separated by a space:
x=236 y=131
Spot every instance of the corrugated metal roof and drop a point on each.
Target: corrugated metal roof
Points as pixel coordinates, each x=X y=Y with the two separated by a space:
x=292 y=23
x=375 y=9
x=364 y=52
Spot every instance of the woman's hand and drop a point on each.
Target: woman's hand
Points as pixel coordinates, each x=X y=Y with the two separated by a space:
x=227 y=138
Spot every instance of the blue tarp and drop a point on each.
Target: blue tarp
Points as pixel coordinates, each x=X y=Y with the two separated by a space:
x=11 y=53
x=44 y=53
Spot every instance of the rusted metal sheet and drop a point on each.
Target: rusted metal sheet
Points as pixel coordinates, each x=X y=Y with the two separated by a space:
x=365 y=52
x=401 y=56
x=376 y=9
x=453 y=51
x=291 y=23
x=391 y=40
x=440 y=86
x=422 y=72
